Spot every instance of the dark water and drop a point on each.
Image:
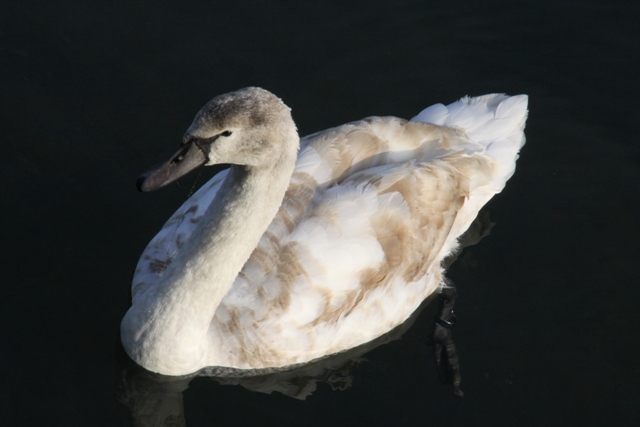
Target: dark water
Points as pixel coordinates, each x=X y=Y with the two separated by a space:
x=92 y=93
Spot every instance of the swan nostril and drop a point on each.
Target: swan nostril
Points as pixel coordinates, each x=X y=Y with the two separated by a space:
x=182 y=153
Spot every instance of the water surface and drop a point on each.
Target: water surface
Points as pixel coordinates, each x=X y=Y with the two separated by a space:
x=93 y=93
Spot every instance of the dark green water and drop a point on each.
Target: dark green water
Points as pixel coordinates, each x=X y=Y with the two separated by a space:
x=93 y=93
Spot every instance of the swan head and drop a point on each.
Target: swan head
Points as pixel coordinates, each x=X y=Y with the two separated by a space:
x=250 y=127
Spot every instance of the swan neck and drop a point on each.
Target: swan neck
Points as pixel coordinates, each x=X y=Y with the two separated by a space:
x=227 y=234
x=167 y=329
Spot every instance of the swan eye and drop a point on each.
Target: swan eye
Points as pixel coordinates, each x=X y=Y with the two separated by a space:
x=226 y=133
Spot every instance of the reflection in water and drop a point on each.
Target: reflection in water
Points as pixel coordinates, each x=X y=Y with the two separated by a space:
x=157 y=400
x=154 y=400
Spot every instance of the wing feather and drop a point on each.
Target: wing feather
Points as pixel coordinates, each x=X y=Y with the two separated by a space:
x=351 y=235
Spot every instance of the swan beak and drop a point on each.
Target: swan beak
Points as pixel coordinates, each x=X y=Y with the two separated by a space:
x=183 y=161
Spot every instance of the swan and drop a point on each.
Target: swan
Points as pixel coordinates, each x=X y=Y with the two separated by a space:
x=307 y=247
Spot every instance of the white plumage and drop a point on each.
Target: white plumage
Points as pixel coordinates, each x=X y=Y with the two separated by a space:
x=304 y=256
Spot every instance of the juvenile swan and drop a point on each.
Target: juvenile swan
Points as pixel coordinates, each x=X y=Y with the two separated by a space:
x=307 y=247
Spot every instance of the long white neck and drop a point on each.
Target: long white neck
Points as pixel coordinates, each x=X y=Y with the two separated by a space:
x=167 y=331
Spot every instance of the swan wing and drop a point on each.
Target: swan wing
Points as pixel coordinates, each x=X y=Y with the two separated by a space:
x=358 y=241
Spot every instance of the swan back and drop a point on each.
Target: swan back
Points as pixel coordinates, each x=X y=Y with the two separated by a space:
x=495 y=121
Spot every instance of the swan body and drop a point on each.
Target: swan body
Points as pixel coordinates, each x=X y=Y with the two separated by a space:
x=305 y=248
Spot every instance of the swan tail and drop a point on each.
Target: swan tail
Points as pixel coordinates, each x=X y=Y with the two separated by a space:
x=495 y=121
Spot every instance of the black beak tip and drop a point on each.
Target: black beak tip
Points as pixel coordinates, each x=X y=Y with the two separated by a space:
x=140 y=183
